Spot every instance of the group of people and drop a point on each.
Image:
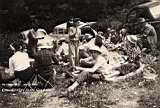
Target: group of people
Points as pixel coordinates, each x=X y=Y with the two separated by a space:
x=112 y=54
x=32 y=54
x=102 y=57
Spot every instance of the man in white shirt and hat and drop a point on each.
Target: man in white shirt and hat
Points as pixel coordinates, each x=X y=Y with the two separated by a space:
x=100 y=71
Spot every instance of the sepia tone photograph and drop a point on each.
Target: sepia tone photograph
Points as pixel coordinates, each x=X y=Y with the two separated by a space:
x=79 y=54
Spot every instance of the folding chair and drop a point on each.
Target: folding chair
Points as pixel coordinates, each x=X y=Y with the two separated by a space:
x=50 y=80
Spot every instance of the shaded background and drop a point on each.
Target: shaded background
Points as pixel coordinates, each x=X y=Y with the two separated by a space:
x=18 y=15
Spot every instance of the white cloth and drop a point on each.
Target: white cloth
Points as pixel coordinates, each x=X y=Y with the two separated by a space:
x=19 y=62
x=105 y=52
x=91 y=43
x=63 y=49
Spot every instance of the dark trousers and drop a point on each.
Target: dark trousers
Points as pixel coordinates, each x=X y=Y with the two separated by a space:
x=24 y=75
x=89 y=77
x=128 y=68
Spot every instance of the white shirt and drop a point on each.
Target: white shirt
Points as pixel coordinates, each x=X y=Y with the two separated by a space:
x=19 y=62
x=100 y=66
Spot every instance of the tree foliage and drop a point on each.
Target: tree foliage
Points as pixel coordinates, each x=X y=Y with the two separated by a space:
x=23 y=14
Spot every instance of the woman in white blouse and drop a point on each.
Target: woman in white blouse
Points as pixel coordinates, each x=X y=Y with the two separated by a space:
x=19 y=63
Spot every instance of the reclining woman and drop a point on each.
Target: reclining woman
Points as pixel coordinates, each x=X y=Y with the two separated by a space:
x=19 y=63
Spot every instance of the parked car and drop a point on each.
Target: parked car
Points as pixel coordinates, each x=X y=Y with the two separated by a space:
x=60 y=31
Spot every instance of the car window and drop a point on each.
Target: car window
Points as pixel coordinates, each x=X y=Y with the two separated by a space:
x=60 y=31
x=155 y=11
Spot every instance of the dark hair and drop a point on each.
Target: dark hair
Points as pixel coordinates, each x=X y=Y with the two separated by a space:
x=17 y=45
x=32 y=40
x=98 y=41
x=21 y=36
x=77 y=19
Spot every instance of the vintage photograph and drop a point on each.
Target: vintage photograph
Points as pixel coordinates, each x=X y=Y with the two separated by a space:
x=79 y=54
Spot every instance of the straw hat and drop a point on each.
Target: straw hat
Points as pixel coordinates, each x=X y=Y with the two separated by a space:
x=40 y=33
x=42 y=46
x=44 y=43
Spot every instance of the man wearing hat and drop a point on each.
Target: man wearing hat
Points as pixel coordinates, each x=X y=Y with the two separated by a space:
x=98 y=41
x=148 y=35
x=97 y=72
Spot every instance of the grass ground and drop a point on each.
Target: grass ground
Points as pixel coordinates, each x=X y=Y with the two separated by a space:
x=128 y=94
x=135 y=92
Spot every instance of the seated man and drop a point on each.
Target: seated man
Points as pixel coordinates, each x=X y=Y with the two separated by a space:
x=44 y=60
x=99 y=71
x=98 y=41
x=147 y=37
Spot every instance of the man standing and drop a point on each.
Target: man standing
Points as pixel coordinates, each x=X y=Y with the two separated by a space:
x=74 y=33
x=148 y=35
